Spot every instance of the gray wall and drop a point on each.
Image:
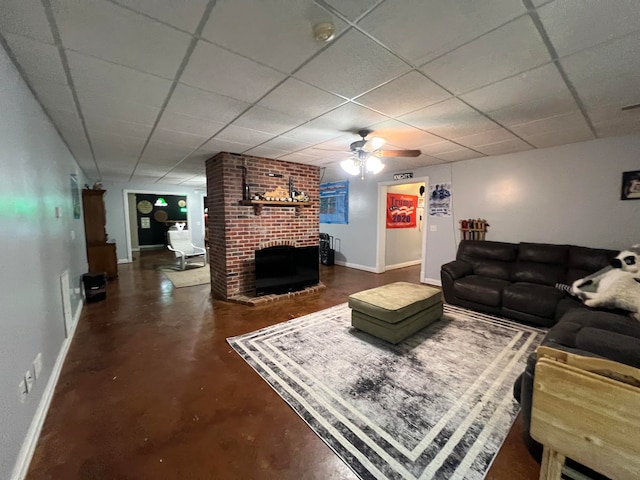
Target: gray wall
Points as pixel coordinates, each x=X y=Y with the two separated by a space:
x=116 y=207
x=355 y=243
x=567 y=194
x=133 y=222
x=36 y=249
x=404 y=245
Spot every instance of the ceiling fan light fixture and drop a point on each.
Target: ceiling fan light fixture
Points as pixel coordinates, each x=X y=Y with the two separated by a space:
x=374 y=165
x=377 y=142
x=351 y=166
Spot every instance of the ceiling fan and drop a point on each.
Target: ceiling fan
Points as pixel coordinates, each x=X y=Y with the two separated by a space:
x=366 y=154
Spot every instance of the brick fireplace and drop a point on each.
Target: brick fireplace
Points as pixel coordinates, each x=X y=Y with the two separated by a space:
x=236 y=231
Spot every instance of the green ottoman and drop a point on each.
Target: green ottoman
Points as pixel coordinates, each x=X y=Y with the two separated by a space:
x=395 y=311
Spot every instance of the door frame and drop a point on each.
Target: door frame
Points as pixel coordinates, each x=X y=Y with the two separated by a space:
x=127 y=228
x=381 y=242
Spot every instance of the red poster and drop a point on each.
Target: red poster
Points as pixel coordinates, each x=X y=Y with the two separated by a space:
x=401 y=210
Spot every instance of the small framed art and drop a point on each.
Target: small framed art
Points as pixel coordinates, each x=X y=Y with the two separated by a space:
x=630 y=185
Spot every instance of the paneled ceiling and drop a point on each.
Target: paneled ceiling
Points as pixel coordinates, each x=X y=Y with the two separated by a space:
x=146 y=90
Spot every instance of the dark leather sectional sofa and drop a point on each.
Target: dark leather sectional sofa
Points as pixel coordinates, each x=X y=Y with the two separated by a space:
x=518 y=281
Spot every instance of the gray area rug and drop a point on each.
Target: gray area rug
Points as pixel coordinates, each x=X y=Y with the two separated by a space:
x=189 y=277
x=437 y=406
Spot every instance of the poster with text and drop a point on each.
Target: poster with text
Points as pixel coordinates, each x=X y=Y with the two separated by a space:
x=440 y=200
x=401 y=210
x=334 y=202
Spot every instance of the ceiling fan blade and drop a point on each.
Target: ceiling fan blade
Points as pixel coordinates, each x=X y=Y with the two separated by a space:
x=397 y=153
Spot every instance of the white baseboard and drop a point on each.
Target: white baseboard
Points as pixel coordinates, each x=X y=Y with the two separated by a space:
x=402 y=265
x=33 y=434
x=433 y=281
x=123 y=260
x=356 y=266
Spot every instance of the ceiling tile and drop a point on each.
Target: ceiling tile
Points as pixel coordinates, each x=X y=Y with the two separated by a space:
x=218 y=145
x=532 y=95
x=434 y=149
x=188 y=124
x=607 y=74
x=457 y=155
x=299 y=99
x=116 y=127
x=178 y=138
x=66 y=119
x=509 y=50
x=356 y=63
x=181 y=15
x=39 y=61
x=298 y=158
x=245 y=136
x=139 y=43
x=53 y=95
x=26 y=17
x=265 y=120
x=265 y=152
x=347 y=118
x=116 y=108
x=609 y=121
x=207 y=105
x=217 y=70
x=278 y=33
x=403 y=95
x=402 y=135
x=559 y=137
x=286 y=143
x=164 y=153
x=571 y=121
x=449 y=119
x=352 y=9
x=437 y=26
x=109 y=144
x=77 y=142
x=100 y=77
x=502 y=148
x=485 y=138
x=572 y=26
x=313 y=134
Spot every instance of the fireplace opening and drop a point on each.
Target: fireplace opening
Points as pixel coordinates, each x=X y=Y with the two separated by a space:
x=284 y=268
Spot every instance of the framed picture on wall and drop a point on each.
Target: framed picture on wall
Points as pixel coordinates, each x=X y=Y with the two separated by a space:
x=630 y=185
x=75 y=196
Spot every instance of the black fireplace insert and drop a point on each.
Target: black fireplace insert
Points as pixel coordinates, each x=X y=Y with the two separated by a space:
x=284 y=268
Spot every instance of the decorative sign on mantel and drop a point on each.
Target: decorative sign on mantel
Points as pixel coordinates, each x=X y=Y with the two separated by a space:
x=402 y=176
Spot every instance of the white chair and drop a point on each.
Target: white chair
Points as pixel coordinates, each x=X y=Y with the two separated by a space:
x=180 y=244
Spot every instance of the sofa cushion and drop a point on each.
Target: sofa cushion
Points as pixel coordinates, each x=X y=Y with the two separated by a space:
x=543 y=253
x=541 y=273
x=585 y=261
x=606 y=334
x=470 y=250
x=540 y=300
x=484 y=290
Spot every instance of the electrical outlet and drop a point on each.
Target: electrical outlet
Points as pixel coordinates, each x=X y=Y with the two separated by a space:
x=28 y=378
x=37 y=366
x=22 y=390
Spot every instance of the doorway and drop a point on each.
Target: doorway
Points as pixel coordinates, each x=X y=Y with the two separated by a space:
x=398 y=248
x=141 y=213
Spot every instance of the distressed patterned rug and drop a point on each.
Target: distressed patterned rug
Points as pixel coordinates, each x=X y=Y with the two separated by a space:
x=437 y=406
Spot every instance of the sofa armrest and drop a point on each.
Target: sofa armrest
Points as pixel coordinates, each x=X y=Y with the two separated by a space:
x=457 y=269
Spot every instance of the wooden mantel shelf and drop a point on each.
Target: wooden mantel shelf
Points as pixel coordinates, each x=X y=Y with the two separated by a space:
x=258 y=204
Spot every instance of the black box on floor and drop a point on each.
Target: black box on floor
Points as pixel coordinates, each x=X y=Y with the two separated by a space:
x=95 y=286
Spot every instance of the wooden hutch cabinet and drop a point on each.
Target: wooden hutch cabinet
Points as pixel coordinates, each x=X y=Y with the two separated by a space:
x=100 y=254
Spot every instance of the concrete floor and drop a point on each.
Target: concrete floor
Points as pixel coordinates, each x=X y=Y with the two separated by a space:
x=150 y=389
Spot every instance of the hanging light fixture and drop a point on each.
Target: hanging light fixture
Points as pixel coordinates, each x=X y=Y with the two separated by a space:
x=361 y=162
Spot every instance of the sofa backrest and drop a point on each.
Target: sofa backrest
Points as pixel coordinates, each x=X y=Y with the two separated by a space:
x=489 y=259
x=541 y=263
x=584 y=261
